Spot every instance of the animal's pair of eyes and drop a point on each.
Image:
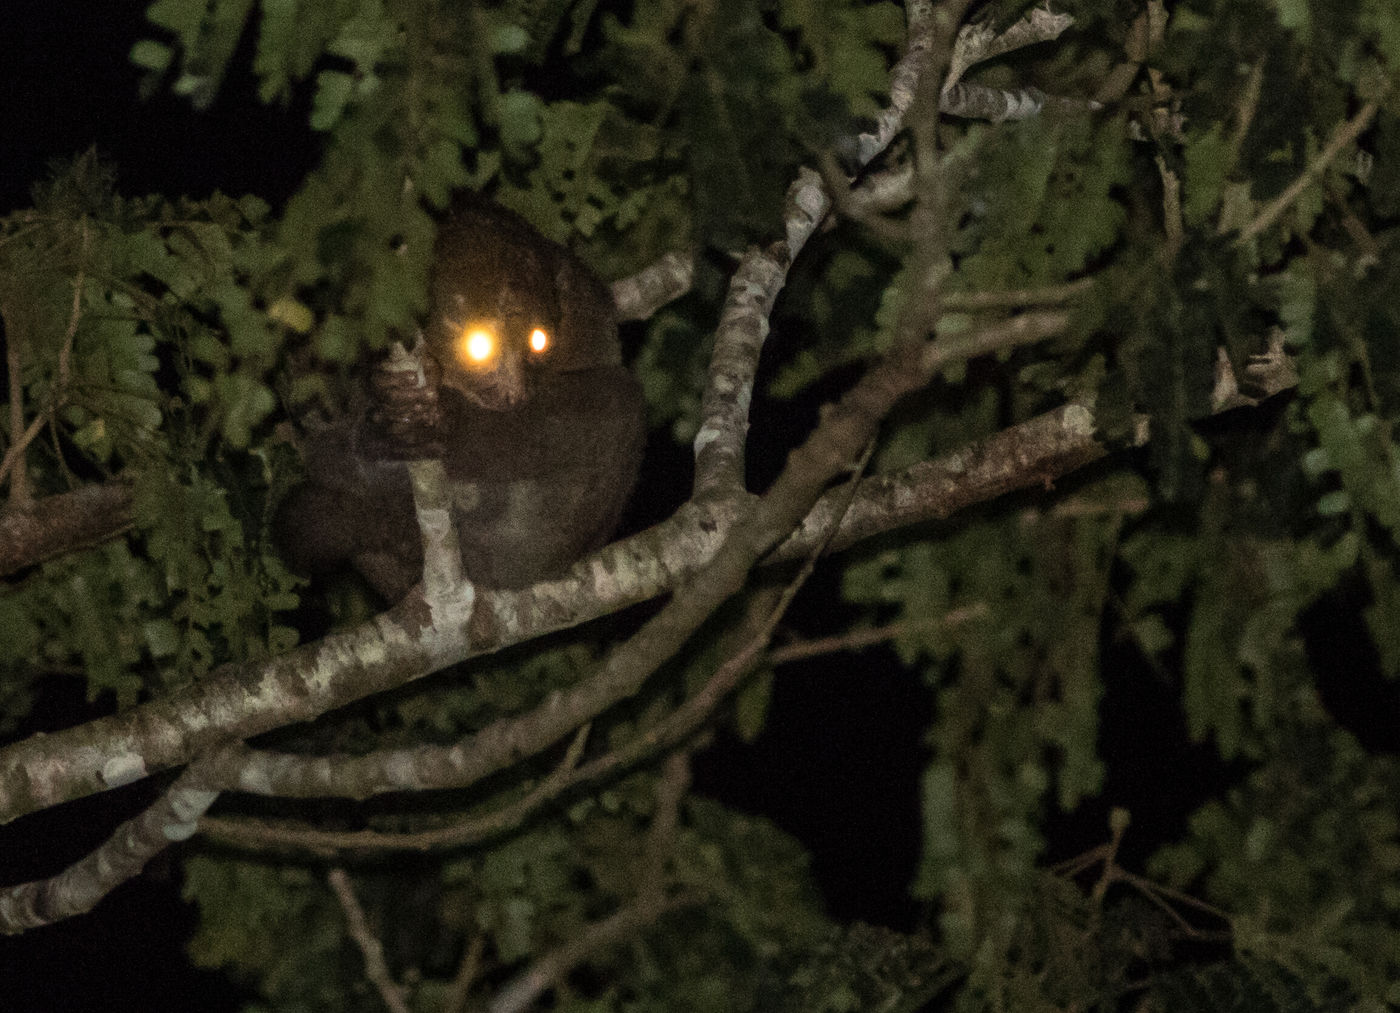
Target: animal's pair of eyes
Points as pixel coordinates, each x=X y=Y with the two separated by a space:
x=478 y=345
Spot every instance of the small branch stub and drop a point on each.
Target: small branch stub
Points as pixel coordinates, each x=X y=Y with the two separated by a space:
x=412 y=376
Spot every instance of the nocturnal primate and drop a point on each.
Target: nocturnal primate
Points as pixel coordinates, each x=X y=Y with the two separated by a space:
x=537 y=423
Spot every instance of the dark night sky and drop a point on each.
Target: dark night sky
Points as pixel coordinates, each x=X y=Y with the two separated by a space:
x=67 y=84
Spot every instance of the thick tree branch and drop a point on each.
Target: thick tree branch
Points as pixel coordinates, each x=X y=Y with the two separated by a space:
x=639 y=296
x=928 y=22
x=78 y=888
x=669 y=732
x=236 y=701
x=724 y=408
x=256 y=835
x=832 y=448
x=350 y=664
x=53 y=525
x=1033 y=453
x=977 y=43
x=743 y=326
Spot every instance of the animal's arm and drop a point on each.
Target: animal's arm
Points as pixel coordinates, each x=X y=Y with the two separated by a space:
x=342 y=509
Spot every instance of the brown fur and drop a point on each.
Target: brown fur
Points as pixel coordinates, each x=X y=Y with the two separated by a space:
x=535 y=484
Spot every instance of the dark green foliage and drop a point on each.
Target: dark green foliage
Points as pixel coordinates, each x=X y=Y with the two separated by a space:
x=748 y=946
x=1254 y=986
x=164 y=295
x=861 y=967
x=1052 y=214
x=252 y=910
x=1304 y=855
x=1383 y=185
x=1023 y=596
x=748 y=102
x=1170 y=365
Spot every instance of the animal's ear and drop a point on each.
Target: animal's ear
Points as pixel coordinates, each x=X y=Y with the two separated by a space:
x=587 y=316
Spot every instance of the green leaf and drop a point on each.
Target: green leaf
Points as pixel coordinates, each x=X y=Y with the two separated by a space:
x=333 y=91
x=245 y=403
x=151 y=55
x=1152 y=634
x=751 y=705
x=1297 y=290
x=1207 y=162
x=292 y=314
x=509 y=39
x=520 y=115
x=1334 y=503
x=364 y=38
x=162 y=637
x=183 y=17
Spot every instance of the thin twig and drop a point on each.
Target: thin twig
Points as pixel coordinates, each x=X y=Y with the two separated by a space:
x=1244 y=115
x=1171 y=210
x=1072 y=867
x=455 y=1000
x=661 y=835
x=1026 y=329
x=21 y=494
x=1048 y=295
x=376 y=969
x=1117 y=828
x=520 y=993
x=1148 y=886
x=65 y=353
x=1344 y=135
x=1157 y=893
x=860 y=639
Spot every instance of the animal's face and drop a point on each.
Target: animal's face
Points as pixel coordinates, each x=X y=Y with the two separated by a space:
x=496 y=359
x=497 y=325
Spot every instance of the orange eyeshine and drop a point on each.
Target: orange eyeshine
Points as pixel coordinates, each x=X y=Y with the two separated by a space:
x=539 y=340
x=476 y=345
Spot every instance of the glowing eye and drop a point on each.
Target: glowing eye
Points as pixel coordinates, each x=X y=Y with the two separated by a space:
x=477 y=345
x=539 y=340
